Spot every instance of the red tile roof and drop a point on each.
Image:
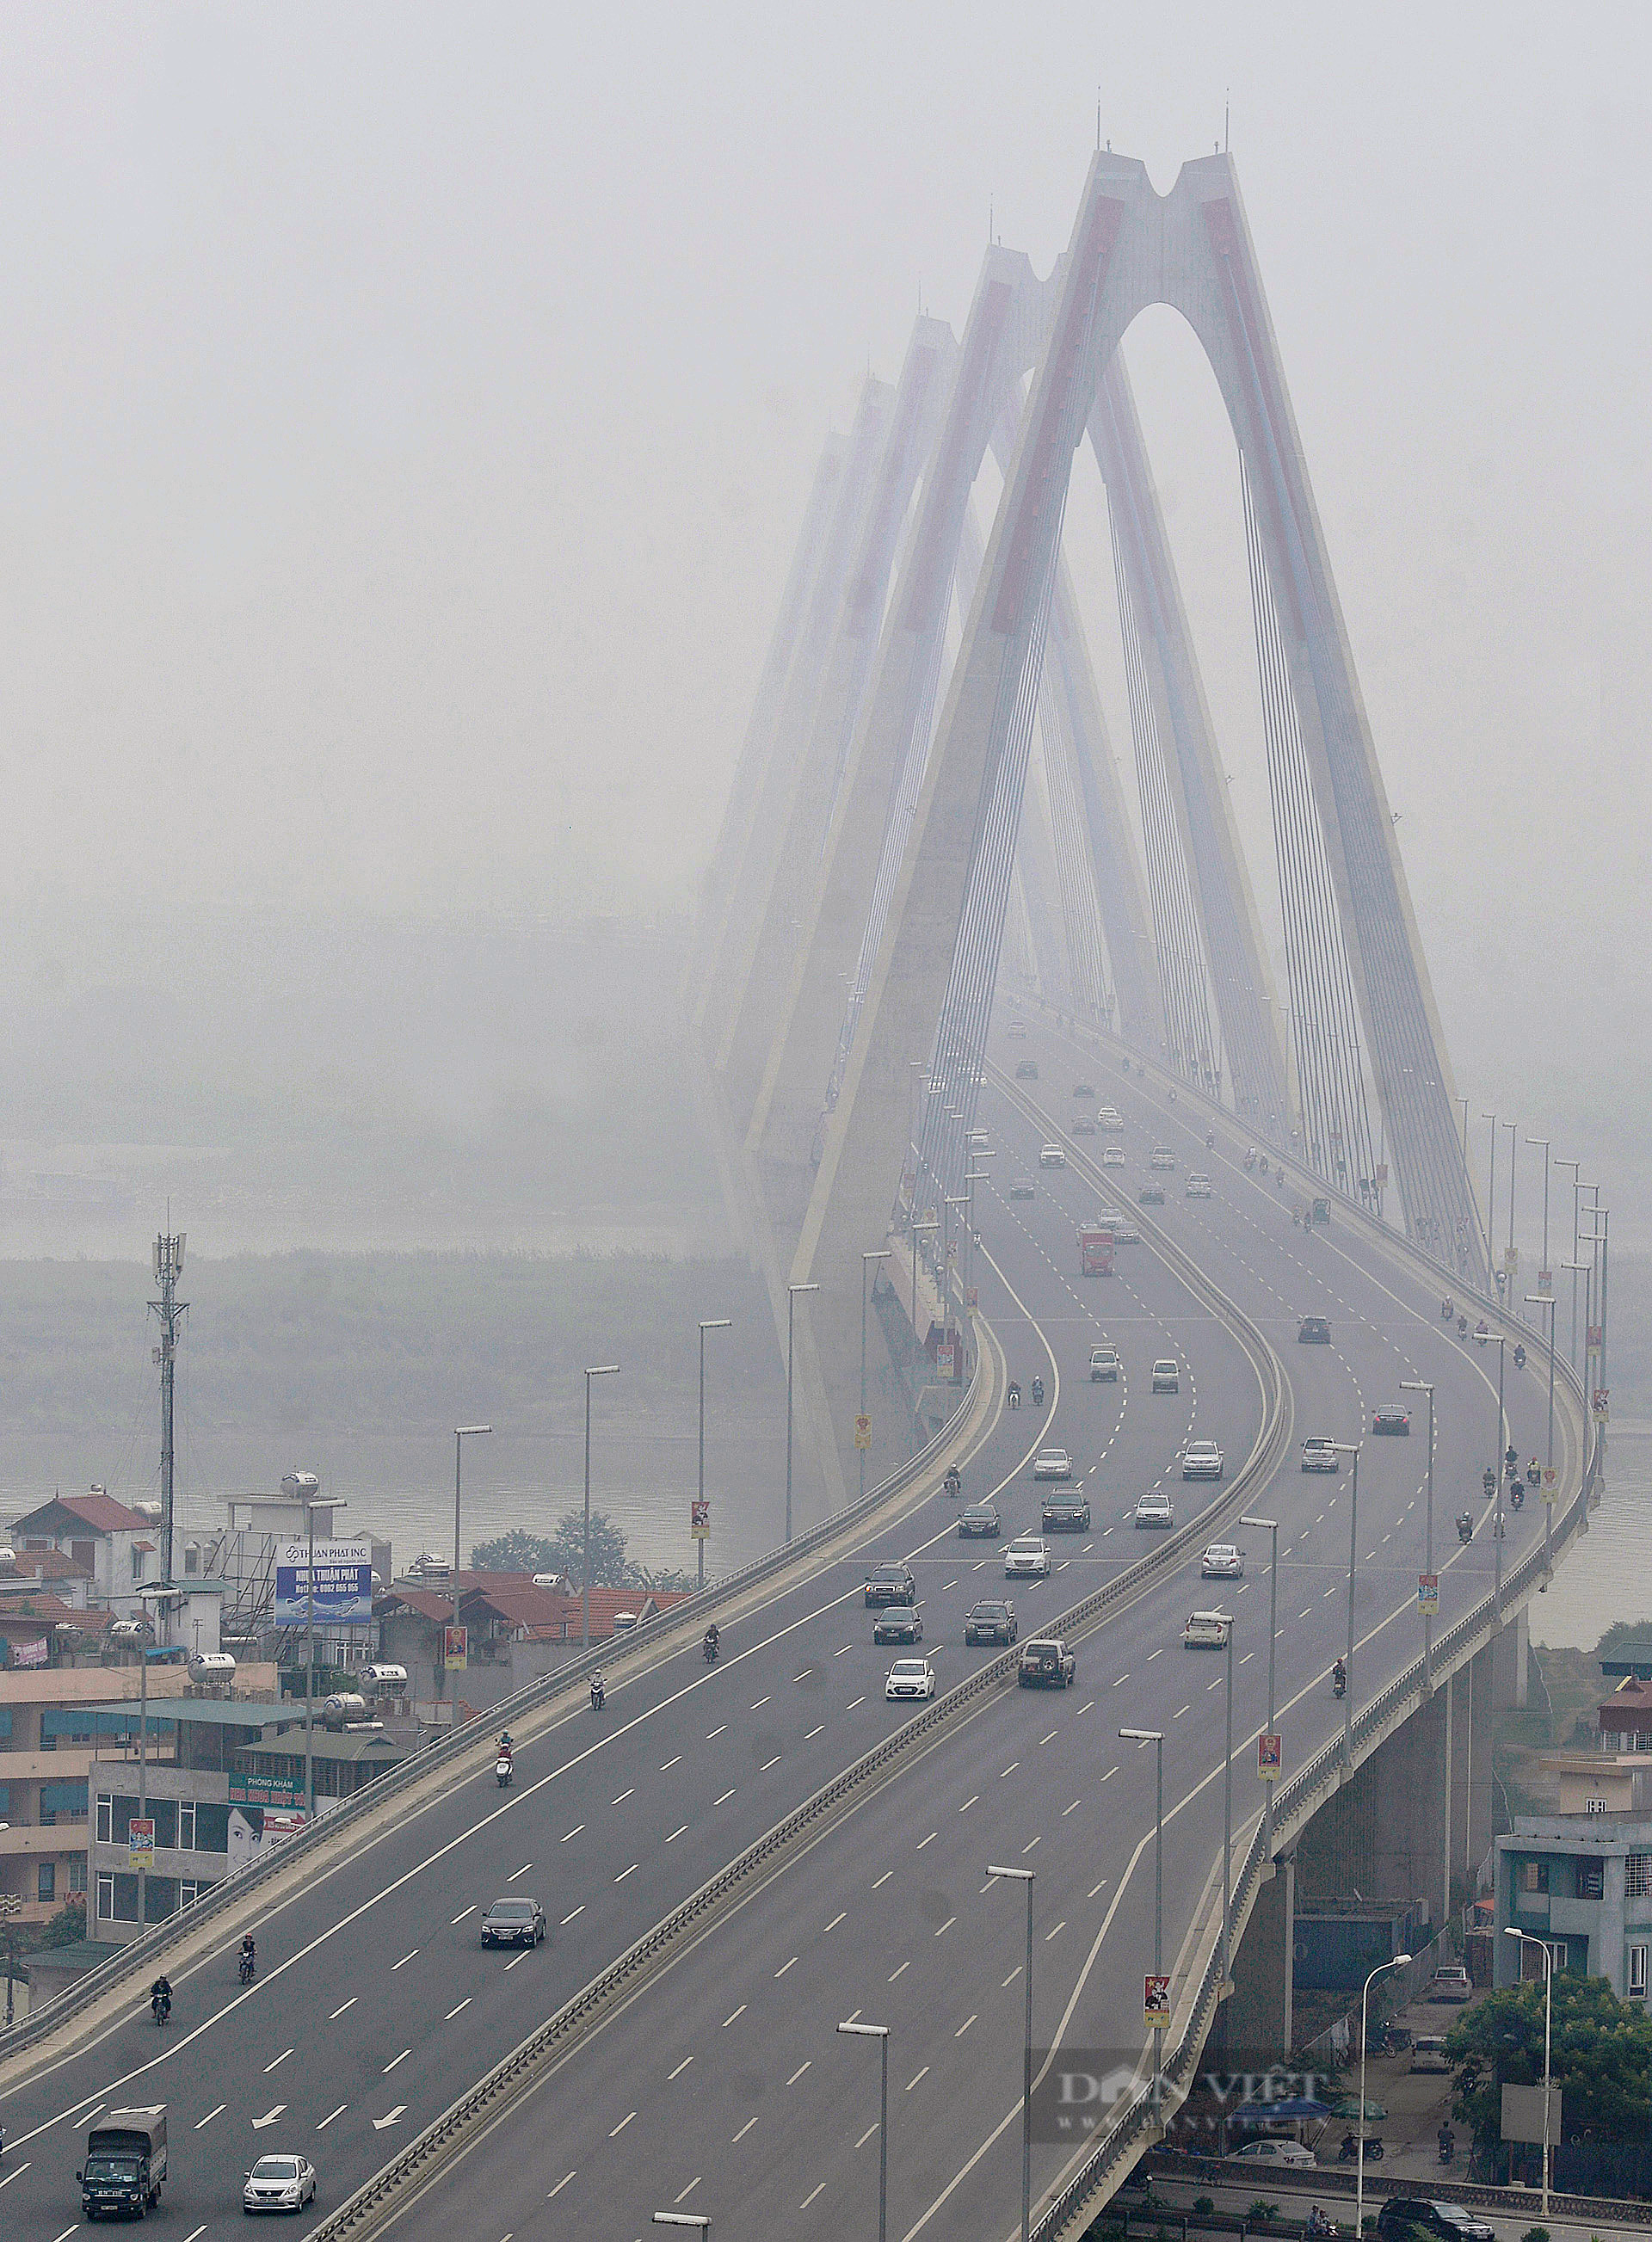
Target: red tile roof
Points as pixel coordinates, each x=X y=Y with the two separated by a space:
x=100 y=1512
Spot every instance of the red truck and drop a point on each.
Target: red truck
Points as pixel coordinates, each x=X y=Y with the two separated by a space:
x=1096 y=1252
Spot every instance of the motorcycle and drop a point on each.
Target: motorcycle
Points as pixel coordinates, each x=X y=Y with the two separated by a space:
x=160 y=2006
x=954 y=1483
x=1465 y=1526
x=1482 y=1332
x=1210 y=1140
x=502 y=1772
x=1446 y=1311
x=599 y=1694
x=1037 y=1392
x=245 y=1967
x=1462 y=1327
x=1517 y=1495
x=1349 y=2151
x=1520 y=1358
x=1338 y=1683
x=708 y=1650
x=1012 y=1397
x=1447 y=2150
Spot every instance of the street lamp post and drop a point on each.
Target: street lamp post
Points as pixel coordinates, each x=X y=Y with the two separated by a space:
x=962 y=1200
x=866 y=1260
x=1547 y=1300
x=1525 y=1939
x=11 y=1908
x=1227 y=1816
x=1571 y=1345
x=600 y=1369
x=461 y=1434
x=716 y=1322
x=1350 y=1448
x=929 y=1222
x=1400 y=1962
x=1513 y=1128
x=880 y=2033
x=1025 y=1876
x=1499 y=1341
x=1426 y=1385
x=1491 y=1209
x=792 y=1291
x=1269 y=1525
x=312 y=1504
x=1156 y=1737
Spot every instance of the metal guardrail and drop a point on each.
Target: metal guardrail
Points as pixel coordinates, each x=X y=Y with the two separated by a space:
x=230 y=1891
x=518 y=2071
x=1329 y=2180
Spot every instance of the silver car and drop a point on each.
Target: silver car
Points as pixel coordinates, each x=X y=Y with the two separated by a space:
x=1027 y=1553
x=1052 y=1463
x=1154 y=1510
x=279 y=2184
x=1222 y=1561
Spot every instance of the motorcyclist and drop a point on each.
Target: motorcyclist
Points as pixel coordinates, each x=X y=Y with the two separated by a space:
x=1339 y=1675
x=599 y=1693
x=1037 y=1392
x=249 y=1953
x=1465 y=1525
x=1448 y=2145
x=160 y=1996
x=1520 y=1358
x=954 y=1482
x=1533 y=1473
x=712 y=1639
x=1013 y=1395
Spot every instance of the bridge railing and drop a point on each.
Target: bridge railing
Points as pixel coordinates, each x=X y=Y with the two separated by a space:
x=160 y=1938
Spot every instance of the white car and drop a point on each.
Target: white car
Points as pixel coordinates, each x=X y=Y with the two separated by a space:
x=1125 y=1233
x=1103 y=1365
x=1222 y=1561
x=1052 y=1463
x=1016 y=1032
x=1201 y=1460
x=279 y=2184
x=1320 y=1454
x=1154 y=1510
x=1027 y=1553
x=1111 y=1118
x=1167 y=1375
x=1051 y=1156
x=911 y=1677
x=1207 y=1631
x=1112 y=1155
x=1198 y=1187
x=1275 y=2152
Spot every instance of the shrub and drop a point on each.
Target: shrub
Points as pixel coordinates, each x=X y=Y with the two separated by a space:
x=1535 y=2234
x=1264 y=2212
x=1204 y=2205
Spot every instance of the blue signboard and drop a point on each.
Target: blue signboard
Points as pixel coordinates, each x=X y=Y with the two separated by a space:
x=343 y=1583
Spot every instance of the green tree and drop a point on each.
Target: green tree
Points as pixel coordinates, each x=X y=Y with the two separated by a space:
x=515 y=1552
x=564 y=1551
x=1601 y=2059
x=67 y=1926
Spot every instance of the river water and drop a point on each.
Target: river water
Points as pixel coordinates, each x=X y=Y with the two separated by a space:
x=1608 y=1576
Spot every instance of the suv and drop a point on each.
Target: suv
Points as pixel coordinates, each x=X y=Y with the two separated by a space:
x=980 y=1522
x=890 y=1584
x=1045 y=1664
x=1320 y=1454
x=991 y=1622
x=1454 y=2221
x=1167 y=1376
x=1065 y=1513
x=1103 y=1365
x=1161 y=1160
x=1313 y=1331
x=1201 y=1460
x=898 y=1623
x=1028 y=1553
x=1111 y=1118
x=514 y=1922
x=1112 y=1155
x=1198 y=1186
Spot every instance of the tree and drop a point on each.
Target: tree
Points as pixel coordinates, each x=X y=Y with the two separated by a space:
x=68 y=1925
x=564 y=1551
x=1602 y=2058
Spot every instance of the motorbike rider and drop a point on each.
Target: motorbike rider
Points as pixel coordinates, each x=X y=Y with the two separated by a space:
x=1037 y=1392
x=249 y=1953
x=1013 y=1395
x=598 y=1693
x=160 y=1995
x=1448 y=2145
x=712 y=1639
x=1339 y=1675
x=954 y=1481
x=1465 y=1525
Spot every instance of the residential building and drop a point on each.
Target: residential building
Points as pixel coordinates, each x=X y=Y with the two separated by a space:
x=1583 y=1882
x=118 y=1546
x=516 y=1632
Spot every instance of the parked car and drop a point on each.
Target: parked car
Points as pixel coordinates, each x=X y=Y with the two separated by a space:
x=1454 y=2222
x=898 y=1623
x=1390 y=1418
x=1167 y=1375
x=1028 y=1553
x=1313 y=1331
x=991 y=1622
x=1207 y=1631
x=1320 y=1454
x=911 y=1677
x=1275 y=2150
x=890 y=1584
x=980 y=1522
x=1045 y=1663
x=1065 y=1513
x=1222 y=1561
x=514 y=1922
x=1450 y=1981
x=1026 y=1069
x=1103 y=1365
x=1202 y=1460
x=1154 y=1510
x=1052 y=1463
x=1428 y=2053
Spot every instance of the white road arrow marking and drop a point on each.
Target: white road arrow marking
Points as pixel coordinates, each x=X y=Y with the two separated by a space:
x=269 y=2117
x=389 y=2117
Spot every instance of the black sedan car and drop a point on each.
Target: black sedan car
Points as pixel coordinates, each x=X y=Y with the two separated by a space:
x=514 y=1922
x=991 y=1622
x=1065 y=1513
x=980 y=1522
x=1454 y=2222
x=890 y=1584
x=1391 y=1418
x=898 y=1623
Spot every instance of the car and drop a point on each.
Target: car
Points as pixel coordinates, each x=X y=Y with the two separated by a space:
x=1065 y=1513
x=1275 y=2150
x=1045 y=1663
x=1167 y=1376
x=1198 y=1187
x=1207 y=1631
x=980 y=1522
x=1051 y=1156
x=1390 y=1418
x=991 y=1622
x=1202 y=1460
x=1083 y=1125
x=1399 y=2214
x=1111 y=1118
x=898 y=1623
x=1428 y=2053
x=1154 y=1510
x=1026 y=1069
x=279 y=2184
x=911 y=1677
x=1052 y=1463
x=1103 y=1365
x=1016 y=1032
x=1450 y=1981
x=514 y=1922
x=1222 y=1561
x=1313 y=1331
x=1024 y=1189
x=890 y=1584
x=1112 y=1155
x=1320 y=1454
x=1162 y=1159
x=1028 y=1553
x=1084 y=1089
x=1125 y=1233
x=1151 y=1195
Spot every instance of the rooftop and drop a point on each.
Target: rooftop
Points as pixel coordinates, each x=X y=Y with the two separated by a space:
x=101 y=1513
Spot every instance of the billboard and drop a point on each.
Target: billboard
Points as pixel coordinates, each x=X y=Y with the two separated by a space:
x=283 y=1792
x=343 y=1583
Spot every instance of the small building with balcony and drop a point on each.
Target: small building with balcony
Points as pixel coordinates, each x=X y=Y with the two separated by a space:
x=1582 y=1883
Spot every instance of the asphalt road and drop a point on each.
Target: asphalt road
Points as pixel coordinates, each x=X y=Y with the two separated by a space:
x=724 y=2086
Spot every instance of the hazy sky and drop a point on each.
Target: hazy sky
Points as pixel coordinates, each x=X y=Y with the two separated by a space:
x=408 y=413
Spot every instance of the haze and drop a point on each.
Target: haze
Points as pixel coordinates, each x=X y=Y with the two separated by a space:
x=409 y=413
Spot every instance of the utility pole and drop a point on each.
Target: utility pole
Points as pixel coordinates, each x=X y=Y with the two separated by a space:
x=168 y=1268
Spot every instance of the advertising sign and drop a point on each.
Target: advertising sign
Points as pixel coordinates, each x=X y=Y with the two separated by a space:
x=944 y=1359
x=1428 y=1592
x=140 y=1843
x=29 y=1653
x=1596 y=1339
x=1546 y=1283
x=283 y=1792
x=700 y=1520
x=1511 y=1262
x=1551 y=1482
x=1269 y=1758
x=1155 y=2002
x=863 y=1432
x=343 y=1583
x=456 y=1645
x=1600 y=1405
